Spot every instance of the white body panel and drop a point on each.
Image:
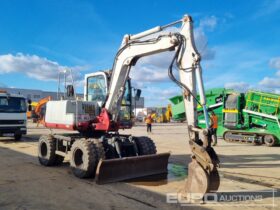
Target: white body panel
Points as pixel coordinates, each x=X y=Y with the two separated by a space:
x=65 y=112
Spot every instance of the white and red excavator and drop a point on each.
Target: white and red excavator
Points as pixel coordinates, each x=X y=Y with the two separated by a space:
x=98 y=150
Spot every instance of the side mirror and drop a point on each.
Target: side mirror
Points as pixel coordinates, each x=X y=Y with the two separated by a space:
x=29 y=102
x=70 y=91
x=138 y=94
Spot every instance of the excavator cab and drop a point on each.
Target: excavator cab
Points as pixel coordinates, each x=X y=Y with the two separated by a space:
x=96 y=89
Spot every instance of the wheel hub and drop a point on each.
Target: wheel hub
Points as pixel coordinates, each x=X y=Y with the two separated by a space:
x=44 y=149
x=78 y=157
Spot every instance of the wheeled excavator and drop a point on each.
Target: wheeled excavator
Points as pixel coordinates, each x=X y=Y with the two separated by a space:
x=98 y=150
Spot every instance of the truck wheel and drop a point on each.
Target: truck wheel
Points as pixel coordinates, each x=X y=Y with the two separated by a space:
x=145 y=145
x=269 y=140
x=83 y=158
x=100 y=149
x=46 y=151
x=17 y=137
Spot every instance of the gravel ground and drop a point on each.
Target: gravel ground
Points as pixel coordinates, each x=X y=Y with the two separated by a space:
x=24 y=184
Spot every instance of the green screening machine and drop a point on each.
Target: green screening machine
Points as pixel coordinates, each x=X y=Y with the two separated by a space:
x=244 y=118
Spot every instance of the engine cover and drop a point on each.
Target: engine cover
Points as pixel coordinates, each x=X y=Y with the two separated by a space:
x=70 y=114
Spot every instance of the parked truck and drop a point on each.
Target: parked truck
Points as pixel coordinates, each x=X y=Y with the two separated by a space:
x=245 y=118
x=12 y=115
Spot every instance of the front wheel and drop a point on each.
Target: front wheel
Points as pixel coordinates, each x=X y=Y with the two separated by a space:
x=84 y=158
x=145 y=145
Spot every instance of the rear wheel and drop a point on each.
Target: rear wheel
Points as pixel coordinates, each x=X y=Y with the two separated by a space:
x=46 y=151
x=83 y=158
x=269 y=140
x=145 y=145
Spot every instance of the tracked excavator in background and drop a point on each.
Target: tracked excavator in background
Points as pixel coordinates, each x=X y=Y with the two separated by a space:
x=98 y=150
x=37 y=113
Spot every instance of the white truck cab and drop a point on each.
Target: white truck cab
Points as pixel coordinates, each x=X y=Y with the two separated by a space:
x=12 y=115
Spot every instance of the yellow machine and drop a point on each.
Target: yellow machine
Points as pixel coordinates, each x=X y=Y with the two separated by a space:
x=36 y=112
x=162 y=114
x=31 y=113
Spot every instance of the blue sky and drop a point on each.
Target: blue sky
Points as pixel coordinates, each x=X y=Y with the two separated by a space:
x=239 y=41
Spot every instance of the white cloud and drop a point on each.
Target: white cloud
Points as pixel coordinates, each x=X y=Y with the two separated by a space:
x=267 y=7
x=205 y=24
x=275 y=63
x=154 y=68
x=156 y=96
x=273 y=83
x=208 y=23
x=239 y=86
x=34 y=67
x=235 y=62
x=270 y=82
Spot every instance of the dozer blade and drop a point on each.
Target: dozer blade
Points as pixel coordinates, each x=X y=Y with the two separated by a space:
x=120 y=169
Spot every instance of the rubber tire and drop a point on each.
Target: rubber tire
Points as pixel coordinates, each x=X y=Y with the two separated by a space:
x=257 y=143
x=89 y=158
x=17 y=137
x=50 y=158
x=100 y=148
x=269 y=140
x=145 y=145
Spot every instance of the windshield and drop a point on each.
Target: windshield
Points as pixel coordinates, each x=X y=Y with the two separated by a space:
x=12 y=104
x=96 y=88
x=125 y=112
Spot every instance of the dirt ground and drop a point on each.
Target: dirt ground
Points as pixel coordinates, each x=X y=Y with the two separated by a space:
x=245 y=170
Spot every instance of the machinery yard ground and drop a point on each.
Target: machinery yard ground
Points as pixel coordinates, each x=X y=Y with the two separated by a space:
x=25 y=184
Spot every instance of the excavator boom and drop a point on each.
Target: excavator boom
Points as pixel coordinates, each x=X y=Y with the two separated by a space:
x=203 y=174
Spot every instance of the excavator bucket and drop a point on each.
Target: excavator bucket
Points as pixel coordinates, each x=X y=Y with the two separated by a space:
x=203 y=176
x=120 y=169
x=200 y=182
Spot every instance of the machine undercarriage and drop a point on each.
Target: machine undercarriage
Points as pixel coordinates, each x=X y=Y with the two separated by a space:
x=89 y=157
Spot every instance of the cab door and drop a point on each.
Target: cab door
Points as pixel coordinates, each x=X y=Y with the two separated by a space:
x=96 y=87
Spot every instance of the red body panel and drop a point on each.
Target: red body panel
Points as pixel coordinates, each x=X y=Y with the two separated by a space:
x=81 y=126
x=59 y=126
x=104 y=123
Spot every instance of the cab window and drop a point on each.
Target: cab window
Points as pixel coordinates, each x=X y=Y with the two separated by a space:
x=96 y=88
x=125 y=112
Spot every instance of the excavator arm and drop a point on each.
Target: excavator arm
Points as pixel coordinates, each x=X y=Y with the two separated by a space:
x=203 y=175
x=38 y=109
